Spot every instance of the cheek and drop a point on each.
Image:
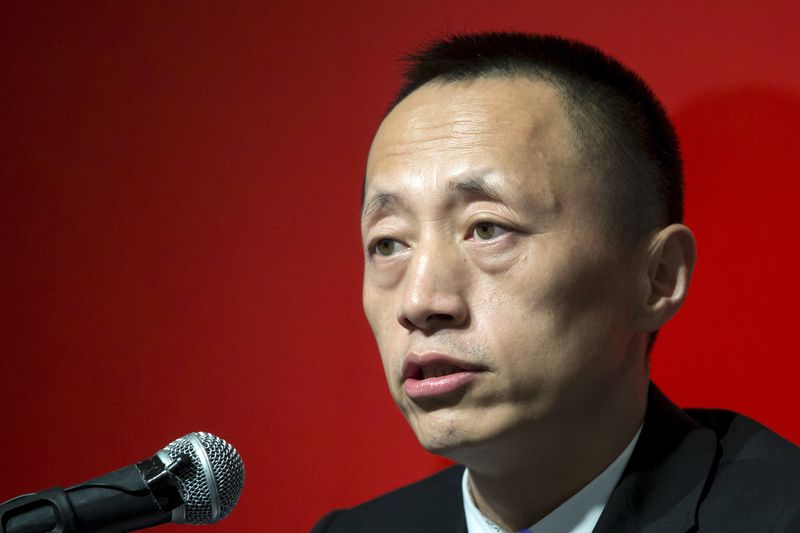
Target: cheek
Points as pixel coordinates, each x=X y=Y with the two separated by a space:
x=380 y=313
x=376 y=299
x=385 y=273
x=380 y=290
x=550 y=312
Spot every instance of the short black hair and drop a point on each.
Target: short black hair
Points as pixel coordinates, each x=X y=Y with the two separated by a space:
x=623 y=132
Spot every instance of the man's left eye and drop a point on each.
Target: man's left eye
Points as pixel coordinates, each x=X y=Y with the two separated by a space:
x=484 y=231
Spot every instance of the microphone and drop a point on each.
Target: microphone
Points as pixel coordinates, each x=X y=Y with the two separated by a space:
x=196 y=479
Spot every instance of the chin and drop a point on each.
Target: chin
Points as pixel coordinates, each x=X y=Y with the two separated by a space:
x=467 y=450
x=450 y=437
x=473 y=436
x=445 y=447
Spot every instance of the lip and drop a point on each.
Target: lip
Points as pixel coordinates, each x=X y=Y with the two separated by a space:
x=418 y=387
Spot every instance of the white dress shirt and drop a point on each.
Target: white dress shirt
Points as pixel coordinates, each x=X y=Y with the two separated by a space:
x=579 y=514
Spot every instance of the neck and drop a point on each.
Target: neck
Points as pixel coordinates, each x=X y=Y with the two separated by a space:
x=536 y=475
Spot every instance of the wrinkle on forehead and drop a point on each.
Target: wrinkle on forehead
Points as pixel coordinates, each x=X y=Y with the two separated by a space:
x=461 y=131
x=514 y=132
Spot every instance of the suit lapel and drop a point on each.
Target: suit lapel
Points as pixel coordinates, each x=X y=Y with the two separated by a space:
x=666 y=476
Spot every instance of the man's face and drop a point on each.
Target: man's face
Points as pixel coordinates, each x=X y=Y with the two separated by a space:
x=499 y=304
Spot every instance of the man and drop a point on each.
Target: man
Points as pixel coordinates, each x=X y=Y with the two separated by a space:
x=523 y=245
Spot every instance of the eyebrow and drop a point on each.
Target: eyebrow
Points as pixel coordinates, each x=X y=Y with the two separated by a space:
x=473 y=186
x=476 y=186
x=379 y=201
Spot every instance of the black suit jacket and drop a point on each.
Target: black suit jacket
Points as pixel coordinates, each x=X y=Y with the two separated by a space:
x=694 y=470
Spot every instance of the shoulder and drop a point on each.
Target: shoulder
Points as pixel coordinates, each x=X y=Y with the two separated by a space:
x=433 y=504
x=756 y=472
x=742 y=440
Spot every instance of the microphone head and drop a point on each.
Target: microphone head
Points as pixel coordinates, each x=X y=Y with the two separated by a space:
x=211 y=485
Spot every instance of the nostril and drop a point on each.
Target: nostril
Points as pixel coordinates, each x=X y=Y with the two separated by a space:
x=431 y=320
x=407 y=323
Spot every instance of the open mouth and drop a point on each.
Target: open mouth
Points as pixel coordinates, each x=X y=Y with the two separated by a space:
x=435 y=370
x=436 y=375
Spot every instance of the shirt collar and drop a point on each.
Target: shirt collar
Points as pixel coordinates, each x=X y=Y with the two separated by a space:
x=578 y=514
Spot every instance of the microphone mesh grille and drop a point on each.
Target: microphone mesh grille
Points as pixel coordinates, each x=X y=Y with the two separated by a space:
x=227 y=472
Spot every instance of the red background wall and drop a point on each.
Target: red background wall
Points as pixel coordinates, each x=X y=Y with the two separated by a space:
x=179 y=213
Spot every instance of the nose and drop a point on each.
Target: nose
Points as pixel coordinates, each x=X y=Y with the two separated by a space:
x=433 y=293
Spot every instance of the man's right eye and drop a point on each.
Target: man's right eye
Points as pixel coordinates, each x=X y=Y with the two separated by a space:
x=386 y=247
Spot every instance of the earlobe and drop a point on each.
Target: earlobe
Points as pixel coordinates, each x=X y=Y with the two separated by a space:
x=670 y=261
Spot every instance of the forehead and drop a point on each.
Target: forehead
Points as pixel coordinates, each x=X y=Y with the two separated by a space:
x=511 y=127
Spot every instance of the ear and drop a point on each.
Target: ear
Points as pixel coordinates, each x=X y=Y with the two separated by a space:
x=670 y=260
